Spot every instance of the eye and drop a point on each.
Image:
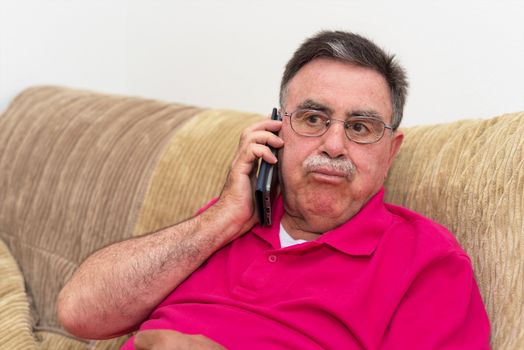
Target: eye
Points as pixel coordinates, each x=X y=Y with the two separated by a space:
x=358 y=127
x=311 y=118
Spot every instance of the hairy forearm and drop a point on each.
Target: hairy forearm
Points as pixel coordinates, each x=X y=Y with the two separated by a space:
x=118 y=286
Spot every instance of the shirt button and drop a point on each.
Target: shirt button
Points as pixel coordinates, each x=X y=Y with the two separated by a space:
x=272 y=258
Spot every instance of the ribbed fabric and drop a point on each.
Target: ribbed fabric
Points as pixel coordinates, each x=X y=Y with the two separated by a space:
x=15 y=323
x=194 y=167
x=79 y=170
x=50 y=340
x=469 y=176
x=75 y=168
x=55 y=341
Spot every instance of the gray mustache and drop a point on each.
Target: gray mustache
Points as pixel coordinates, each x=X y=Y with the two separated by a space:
x=345 y=166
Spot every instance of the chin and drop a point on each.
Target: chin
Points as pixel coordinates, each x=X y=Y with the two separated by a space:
x=322 y=224
x=326 y=202
x=323 y=206
x=323 y=209
x=324 y=215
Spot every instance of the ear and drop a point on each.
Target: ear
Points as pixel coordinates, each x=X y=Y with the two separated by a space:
x=395 y=143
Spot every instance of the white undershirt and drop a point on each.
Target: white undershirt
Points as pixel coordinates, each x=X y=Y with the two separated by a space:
x=286 y=240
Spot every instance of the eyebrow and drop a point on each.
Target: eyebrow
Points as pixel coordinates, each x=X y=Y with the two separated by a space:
x=368 y=113
x=317 y=106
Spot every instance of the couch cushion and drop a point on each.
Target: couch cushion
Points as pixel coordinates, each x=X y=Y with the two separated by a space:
x=15 y=320
x=49 y=340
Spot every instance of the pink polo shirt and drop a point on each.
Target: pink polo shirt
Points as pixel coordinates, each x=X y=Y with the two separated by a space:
x=387 y=279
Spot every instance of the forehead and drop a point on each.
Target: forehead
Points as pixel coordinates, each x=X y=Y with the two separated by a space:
x=340 y=86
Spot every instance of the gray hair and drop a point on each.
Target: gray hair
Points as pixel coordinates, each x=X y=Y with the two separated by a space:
x=355 y=49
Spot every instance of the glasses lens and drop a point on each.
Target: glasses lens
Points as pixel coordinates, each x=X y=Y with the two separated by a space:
x=364 y=130
x=308 y=122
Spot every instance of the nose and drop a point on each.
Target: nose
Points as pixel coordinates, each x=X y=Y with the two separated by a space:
x=334 y=141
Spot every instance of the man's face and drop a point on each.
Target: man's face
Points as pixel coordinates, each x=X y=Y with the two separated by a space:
x=321 y=199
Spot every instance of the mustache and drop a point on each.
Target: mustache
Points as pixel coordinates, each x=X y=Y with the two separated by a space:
x=345 y=166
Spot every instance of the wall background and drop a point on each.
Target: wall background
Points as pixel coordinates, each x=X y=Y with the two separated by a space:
x=465 y=58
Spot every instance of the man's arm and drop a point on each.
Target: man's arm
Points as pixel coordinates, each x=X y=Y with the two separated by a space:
x=114 y=289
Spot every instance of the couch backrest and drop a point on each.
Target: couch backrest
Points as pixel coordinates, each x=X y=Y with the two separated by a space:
x=75 y=168
x=469 y=176
x=81 y=170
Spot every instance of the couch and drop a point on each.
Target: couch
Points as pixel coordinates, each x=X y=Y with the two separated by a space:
x=79 y=170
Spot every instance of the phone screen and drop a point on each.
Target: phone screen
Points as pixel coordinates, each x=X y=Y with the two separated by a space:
x=265 y=185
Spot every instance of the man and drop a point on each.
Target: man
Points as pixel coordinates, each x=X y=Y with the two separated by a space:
x=338 y=269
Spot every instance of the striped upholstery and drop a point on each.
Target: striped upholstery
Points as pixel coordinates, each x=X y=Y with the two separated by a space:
x=469 y=176
x=79 y=170
x=75 y=165
x=193 y=167
x=15 y=321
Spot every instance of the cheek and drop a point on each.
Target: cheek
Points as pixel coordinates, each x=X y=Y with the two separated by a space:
x=291 y=157
x=290 y=163
x=373 y=165
x=288 y=155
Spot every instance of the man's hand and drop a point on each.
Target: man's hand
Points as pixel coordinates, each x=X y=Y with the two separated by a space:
x=237 y=195
x=172 y=340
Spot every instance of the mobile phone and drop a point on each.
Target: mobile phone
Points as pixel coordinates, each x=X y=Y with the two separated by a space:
x=265 y=184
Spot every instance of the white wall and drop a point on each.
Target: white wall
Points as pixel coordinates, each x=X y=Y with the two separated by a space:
x=465 y=58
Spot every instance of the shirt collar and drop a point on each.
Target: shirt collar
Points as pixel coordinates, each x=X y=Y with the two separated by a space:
x=358 y=236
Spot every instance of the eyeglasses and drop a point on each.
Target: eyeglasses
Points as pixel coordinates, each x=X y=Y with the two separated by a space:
x=359 y=129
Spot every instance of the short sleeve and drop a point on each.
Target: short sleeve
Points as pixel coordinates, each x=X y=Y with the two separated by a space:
x=205 y=207
x=442 y=309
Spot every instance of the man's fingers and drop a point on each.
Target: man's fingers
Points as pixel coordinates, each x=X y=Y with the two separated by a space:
x=246 y=160
x=269 y=125
x=261 y=137
x=144 y=340
x=160 y=340
x=255 y=144
x=262 y=151
x=264 y=138
x=173 y=340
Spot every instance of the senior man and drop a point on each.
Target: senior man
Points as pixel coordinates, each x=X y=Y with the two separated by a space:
x=338 y=269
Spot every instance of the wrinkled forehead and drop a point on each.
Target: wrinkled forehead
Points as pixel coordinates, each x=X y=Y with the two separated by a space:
x=338 y=87
x=310 y=104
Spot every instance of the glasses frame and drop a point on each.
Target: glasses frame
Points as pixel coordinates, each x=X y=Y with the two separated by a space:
x=345 y=122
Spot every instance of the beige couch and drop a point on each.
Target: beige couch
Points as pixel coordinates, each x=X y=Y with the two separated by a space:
x=79 y=170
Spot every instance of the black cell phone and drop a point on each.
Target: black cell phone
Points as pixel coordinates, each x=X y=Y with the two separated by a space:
x=265 y=184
